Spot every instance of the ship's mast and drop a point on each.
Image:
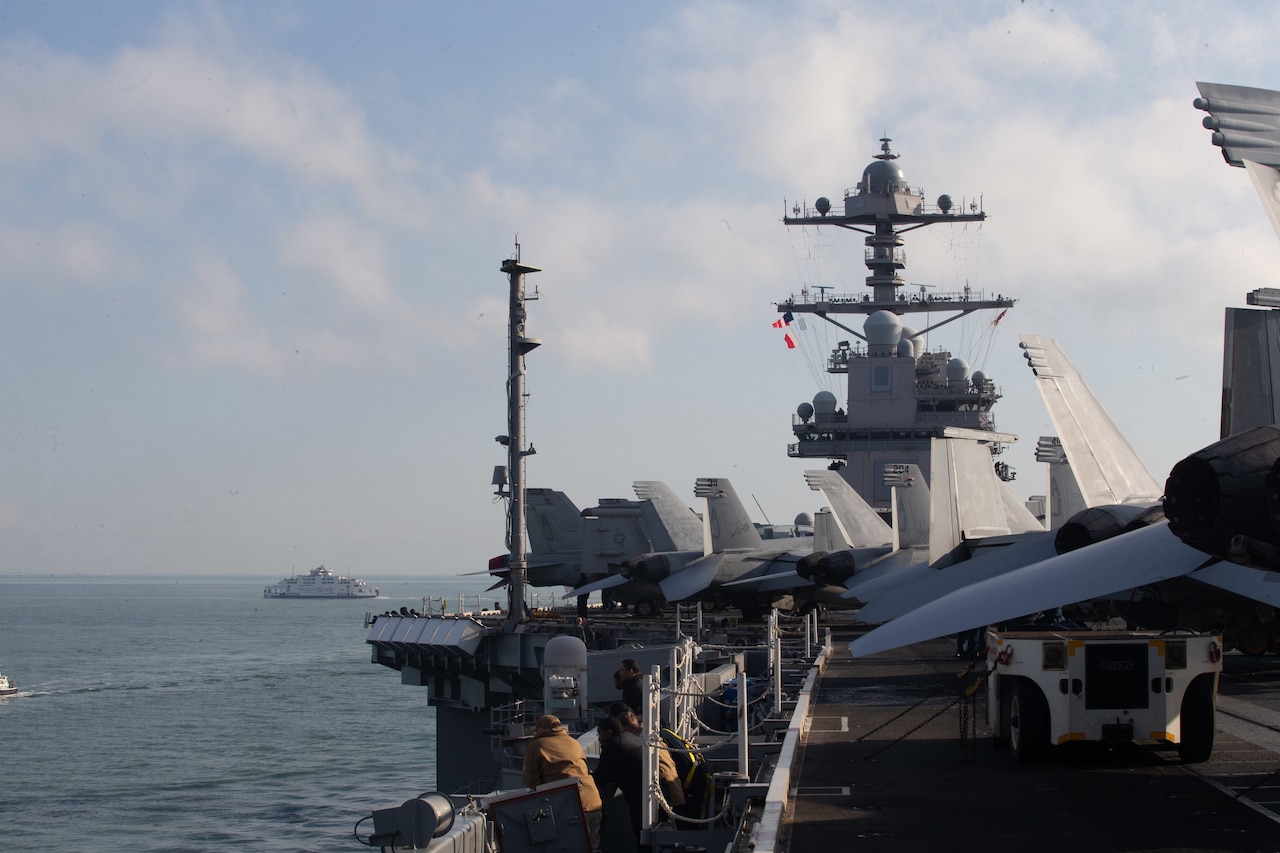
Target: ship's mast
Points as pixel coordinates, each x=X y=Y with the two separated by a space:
x=884 y=207
x=517 y=346
x=899 y=396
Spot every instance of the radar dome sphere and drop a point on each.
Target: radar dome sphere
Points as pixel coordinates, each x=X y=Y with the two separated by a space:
x=944 y=203
x=805 y=411
x=824 y=402
x=882 y=328
x=978 y=379
x=823 y=205
x=957 y=368
x=564 y=650
x=804 y=520
x=883 y=176
x=917 y=342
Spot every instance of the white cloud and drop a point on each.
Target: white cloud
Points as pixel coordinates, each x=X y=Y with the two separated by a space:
x=304 y=233
x=1035 y=42
x=345 y=255
x=220 y=329
x=70 y=253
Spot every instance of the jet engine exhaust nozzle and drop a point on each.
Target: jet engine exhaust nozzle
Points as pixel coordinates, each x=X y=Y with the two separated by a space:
x=833 y=567
x=1093 y=525
x=1225 y=499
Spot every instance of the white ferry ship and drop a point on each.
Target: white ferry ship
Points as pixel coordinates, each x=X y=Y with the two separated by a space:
x=320 y=583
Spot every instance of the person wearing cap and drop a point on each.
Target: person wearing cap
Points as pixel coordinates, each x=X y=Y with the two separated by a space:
x=553 y=755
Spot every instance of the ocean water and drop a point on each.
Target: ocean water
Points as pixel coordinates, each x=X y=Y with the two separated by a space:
x=192 y=714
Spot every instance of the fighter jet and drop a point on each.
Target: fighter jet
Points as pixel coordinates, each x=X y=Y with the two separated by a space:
x=734 y=549
x=1095 y=472
x=1223 y=527
x=1160 y=592
x=569 y=548
x=852 y=539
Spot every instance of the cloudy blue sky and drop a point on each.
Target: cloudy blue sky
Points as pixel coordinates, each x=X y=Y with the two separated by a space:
x=253 y=318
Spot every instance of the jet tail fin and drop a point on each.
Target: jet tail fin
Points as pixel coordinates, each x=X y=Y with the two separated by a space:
x=612 y=532
x=968 y=501
x=828 y=535
x=911 y=507
x=553 y=522
x=860 y=525
x=727 y=520
x=1105 y=466
x=1250 y=370
x=672 y=524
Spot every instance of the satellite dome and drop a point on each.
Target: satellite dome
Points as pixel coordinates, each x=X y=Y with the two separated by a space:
x=805 y=411
x=823 y=205
x=957 y=369
x=944 y=203
x=906 y=349
x=883 y=328
x=564 y=650
x=917 y=342
x=978 y=379
x=804 y=520
x=824 y=403
x=883 y=177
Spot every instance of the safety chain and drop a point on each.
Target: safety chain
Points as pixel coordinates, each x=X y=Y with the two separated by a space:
x=753 y=726
x=724 y=810
x=897 y=717
x=767 y=694
x=965 y=714
x=908 y=734
x=706 y=728
x=969 y=715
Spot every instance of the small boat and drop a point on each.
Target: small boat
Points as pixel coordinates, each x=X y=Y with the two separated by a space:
x=7 y=687
x=320 y=583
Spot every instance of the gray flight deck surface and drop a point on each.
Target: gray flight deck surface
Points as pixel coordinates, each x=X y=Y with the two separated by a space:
x=896 y=791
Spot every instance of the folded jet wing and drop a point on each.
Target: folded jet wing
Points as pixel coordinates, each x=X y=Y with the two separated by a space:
x=1092 y=463
x=1106 y=468
x=1246 y=126
x=1142 y=557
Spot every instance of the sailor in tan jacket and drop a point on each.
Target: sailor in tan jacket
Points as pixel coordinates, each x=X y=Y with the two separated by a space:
x=553 y=755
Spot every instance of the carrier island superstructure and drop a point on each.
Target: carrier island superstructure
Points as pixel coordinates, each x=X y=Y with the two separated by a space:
x=899 y=395
x=899 y=398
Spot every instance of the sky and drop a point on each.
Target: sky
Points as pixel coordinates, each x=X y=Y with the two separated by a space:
x=252 y=316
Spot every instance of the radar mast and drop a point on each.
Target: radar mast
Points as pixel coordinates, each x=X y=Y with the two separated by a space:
x=899 y=396
x=518 y=345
